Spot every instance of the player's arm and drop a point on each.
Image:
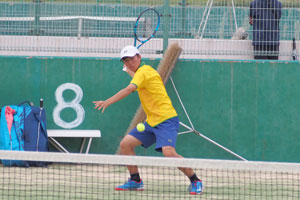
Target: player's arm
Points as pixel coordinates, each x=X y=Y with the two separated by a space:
x=117 y=97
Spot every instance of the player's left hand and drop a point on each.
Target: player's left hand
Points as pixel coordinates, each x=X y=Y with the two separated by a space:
x=100 y=105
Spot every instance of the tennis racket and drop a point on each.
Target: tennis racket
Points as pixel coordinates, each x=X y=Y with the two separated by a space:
x=146 y=26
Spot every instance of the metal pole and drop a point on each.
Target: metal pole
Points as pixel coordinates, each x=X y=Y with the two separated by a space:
x=192 y=129
x=204 y=19
x=213 y=142
x=234 y=15
x=37 y=15
x=183 y=4
x=166 y=25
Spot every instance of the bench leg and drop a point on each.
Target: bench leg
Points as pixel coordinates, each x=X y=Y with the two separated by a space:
x=57 y=145
x=88 y=146
x=82 y=145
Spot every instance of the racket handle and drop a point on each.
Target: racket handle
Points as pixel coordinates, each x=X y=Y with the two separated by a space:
x=41 y=103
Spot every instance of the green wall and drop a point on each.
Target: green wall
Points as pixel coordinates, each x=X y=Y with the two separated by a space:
x=250 y=107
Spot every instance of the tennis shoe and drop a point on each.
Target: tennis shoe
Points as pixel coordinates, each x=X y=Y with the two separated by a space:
x=196 y=187
x=131 y=185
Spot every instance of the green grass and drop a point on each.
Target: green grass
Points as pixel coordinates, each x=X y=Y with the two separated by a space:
x=72 y=181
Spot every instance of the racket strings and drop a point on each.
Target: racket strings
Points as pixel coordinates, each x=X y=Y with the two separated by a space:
x=146 y=26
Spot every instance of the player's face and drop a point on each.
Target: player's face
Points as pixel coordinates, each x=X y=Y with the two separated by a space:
x=132 y=63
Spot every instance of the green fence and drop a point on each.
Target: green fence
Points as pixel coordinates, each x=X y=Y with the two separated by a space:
x=27 y=25
x=61 y=19
x=252 y=108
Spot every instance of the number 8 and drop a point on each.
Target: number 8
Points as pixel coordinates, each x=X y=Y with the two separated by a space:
x=74 y=104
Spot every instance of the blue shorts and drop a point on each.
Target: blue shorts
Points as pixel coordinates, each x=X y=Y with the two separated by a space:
x=164 y=134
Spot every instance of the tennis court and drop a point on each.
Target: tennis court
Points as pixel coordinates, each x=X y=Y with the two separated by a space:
x=75 y=176
x=229 y=101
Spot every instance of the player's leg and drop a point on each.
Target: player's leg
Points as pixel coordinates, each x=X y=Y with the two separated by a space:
x=166 y=135
x=127 y=147
x=169 y=151
x=196 y=186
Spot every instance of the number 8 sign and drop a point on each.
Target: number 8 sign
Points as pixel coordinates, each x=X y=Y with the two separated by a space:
x=74 y=104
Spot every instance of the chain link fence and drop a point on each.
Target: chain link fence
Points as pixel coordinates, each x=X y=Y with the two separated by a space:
x=99 y=28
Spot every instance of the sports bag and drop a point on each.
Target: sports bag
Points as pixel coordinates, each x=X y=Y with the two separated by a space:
x=11 y=131
x=35 y=132
x=23 y=128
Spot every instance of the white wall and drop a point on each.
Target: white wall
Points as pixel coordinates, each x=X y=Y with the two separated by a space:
x=110 y=47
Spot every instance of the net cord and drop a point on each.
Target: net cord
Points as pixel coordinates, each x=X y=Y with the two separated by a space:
x=150 y=161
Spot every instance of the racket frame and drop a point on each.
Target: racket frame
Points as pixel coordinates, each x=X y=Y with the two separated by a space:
x=137 y=23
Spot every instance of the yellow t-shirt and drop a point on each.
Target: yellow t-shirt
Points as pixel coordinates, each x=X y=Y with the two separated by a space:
x=153 y=95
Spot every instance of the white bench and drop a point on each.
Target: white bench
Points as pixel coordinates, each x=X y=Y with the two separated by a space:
x=52 y=133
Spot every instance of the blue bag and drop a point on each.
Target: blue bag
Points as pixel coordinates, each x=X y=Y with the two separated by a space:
x=35 y=132
x=23 y=128
x=11 y=132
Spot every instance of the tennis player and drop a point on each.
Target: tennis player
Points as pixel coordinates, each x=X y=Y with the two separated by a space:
x=162 y=122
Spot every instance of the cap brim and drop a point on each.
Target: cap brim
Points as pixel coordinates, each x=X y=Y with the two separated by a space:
x=125 y=56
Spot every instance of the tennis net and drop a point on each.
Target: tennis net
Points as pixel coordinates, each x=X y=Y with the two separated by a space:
x=80 y=176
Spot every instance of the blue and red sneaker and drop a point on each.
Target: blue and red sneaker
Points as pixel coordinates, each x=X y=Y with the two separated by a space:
x=196 y=187
x=131 y=185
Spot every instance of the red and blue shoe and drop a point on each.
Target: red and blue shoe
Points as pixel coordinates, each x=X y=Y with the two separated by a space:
x=196 y=187
x=131 y=185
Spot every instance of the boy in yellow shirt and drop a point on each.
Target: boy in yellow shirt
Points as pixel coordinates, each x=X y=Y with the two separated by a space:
x=162 y=122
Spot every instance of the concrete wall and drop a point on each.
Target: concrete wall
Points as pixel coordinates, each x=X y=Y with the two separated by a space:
x=110 y=47
x=250 y=107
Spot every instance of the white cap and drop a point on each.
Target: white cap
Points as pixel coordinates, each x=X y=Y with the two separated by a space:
x=129 y=51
